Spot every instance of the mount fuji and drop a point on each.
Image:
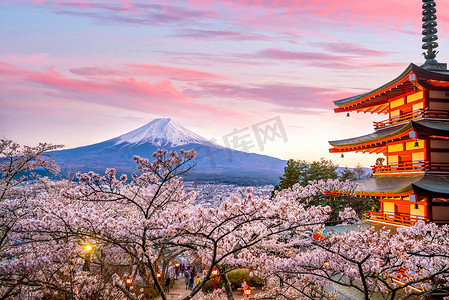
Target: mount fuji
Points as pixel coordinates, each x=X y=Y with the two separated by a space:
x=214 y=162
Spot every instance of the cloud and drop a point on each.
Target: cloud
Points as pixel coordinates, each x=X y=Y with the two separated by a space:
x=95 y=71
x=351 y=49
x=308 y=16
x=152 y=71
x=322 y=59
x=222 y=34
x=174 y=73
x=128 y=93
x=33 y=59
x=281 y=95
x=131 y=12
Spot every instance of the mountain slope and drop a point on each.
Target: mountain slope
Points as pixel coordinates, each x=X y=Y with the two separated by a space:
x=214 y=162
x=161 y=133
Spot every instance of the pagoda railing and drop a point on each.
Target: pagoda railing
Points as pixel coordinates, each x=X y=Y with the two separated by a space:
x=396 y=219
x=413 y=115
x=412 y=166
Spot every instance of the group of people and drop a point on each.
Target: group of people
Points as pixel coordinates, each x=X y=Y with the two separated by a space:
x=190 y=277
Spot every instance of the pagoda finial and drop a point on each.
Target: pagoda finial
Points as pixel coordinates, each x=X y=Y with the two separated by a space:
x=429 y=25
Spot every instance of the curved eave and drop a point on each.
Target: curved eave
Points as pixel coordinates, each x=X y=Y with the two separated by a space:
x=436 y=186
x=398 y=86
x=351 y=101
x=375 y=137
x=431 y=127
x=398 y=193
x=424 y=128
x=387 y=186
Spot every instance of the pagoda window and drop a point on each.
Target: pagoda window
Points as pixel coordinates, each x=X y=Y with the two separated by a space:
x=412 y=146
x=395 y=148
x=393 y=159
x=417 y=212
x=439 y=144
x=396 y=103
x=418 y=106
x=438 y=95
x=395 y=113
x=439 y=105
x=414 y=97
x=418 y=156
x=388 y=208
x=439 y=157
x=440 y=213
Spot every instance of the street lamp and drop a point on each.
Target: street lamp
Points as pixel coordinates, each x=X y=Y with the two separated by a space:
x=247 y=290
x=215 y=273
x=177 y=264
x=159 y=275
x=89 y=249
x=129 y=281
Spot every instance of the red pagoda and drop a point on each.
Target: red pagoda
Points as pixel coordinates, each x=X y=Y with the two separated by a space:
x=414 y=182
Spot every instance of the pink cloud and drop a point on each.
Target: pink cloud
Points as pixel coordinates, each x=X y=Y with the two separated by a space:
x=174 y=73
x=331 y=61
x=131 y=12
x=35 y=59
x=351 y=49
x=222 y=34
x=377 y=15
x=95 y=71
x=131 y=86
x=282 y=95
x=171 y=73
x=128 y=93
x=300 y=55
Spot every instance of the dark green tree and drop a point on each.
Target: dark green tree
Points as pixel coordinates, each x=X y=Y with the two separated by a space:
x=302 y=172
x=317 y=170
x=290 y=177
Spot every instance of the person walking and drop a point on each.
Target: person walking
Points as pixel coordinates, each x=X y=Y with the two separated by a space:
x=167 y=284
x=198 y=280
x=192 y=278
x=187 y=276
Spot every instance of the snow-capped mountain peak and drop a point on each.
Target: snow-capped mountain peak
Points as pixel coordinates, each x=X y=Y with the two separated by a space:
x=161 y=132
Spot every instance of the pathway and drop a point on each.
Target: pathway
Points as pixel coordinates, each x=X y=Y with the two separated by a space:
x=179 y=289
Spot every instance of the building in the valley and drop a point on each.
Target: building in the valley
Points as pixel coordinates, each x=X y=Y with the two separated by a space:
x=413 y=183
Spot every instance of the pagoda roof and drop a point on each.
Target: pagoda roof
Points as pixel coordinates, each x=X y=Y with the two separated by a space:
x=399 y=86
x=386 y=185
x=437 y=186
x=423 y=127
x=427 y=185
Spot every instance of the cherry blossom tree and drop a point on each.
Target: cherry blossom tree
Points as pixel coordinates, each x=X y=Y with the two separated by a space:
x=80 y=240
x=378 y=264
x=17 y=168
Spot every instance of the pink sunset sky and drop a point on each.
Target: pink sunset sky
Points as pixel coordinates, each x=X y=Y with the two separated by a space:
x=80 y=72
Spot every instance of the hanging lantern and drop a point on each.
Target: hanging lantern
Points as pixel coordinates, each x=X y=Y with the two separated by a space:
x=347 y=114
x=342 y=155
x=416 y=144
